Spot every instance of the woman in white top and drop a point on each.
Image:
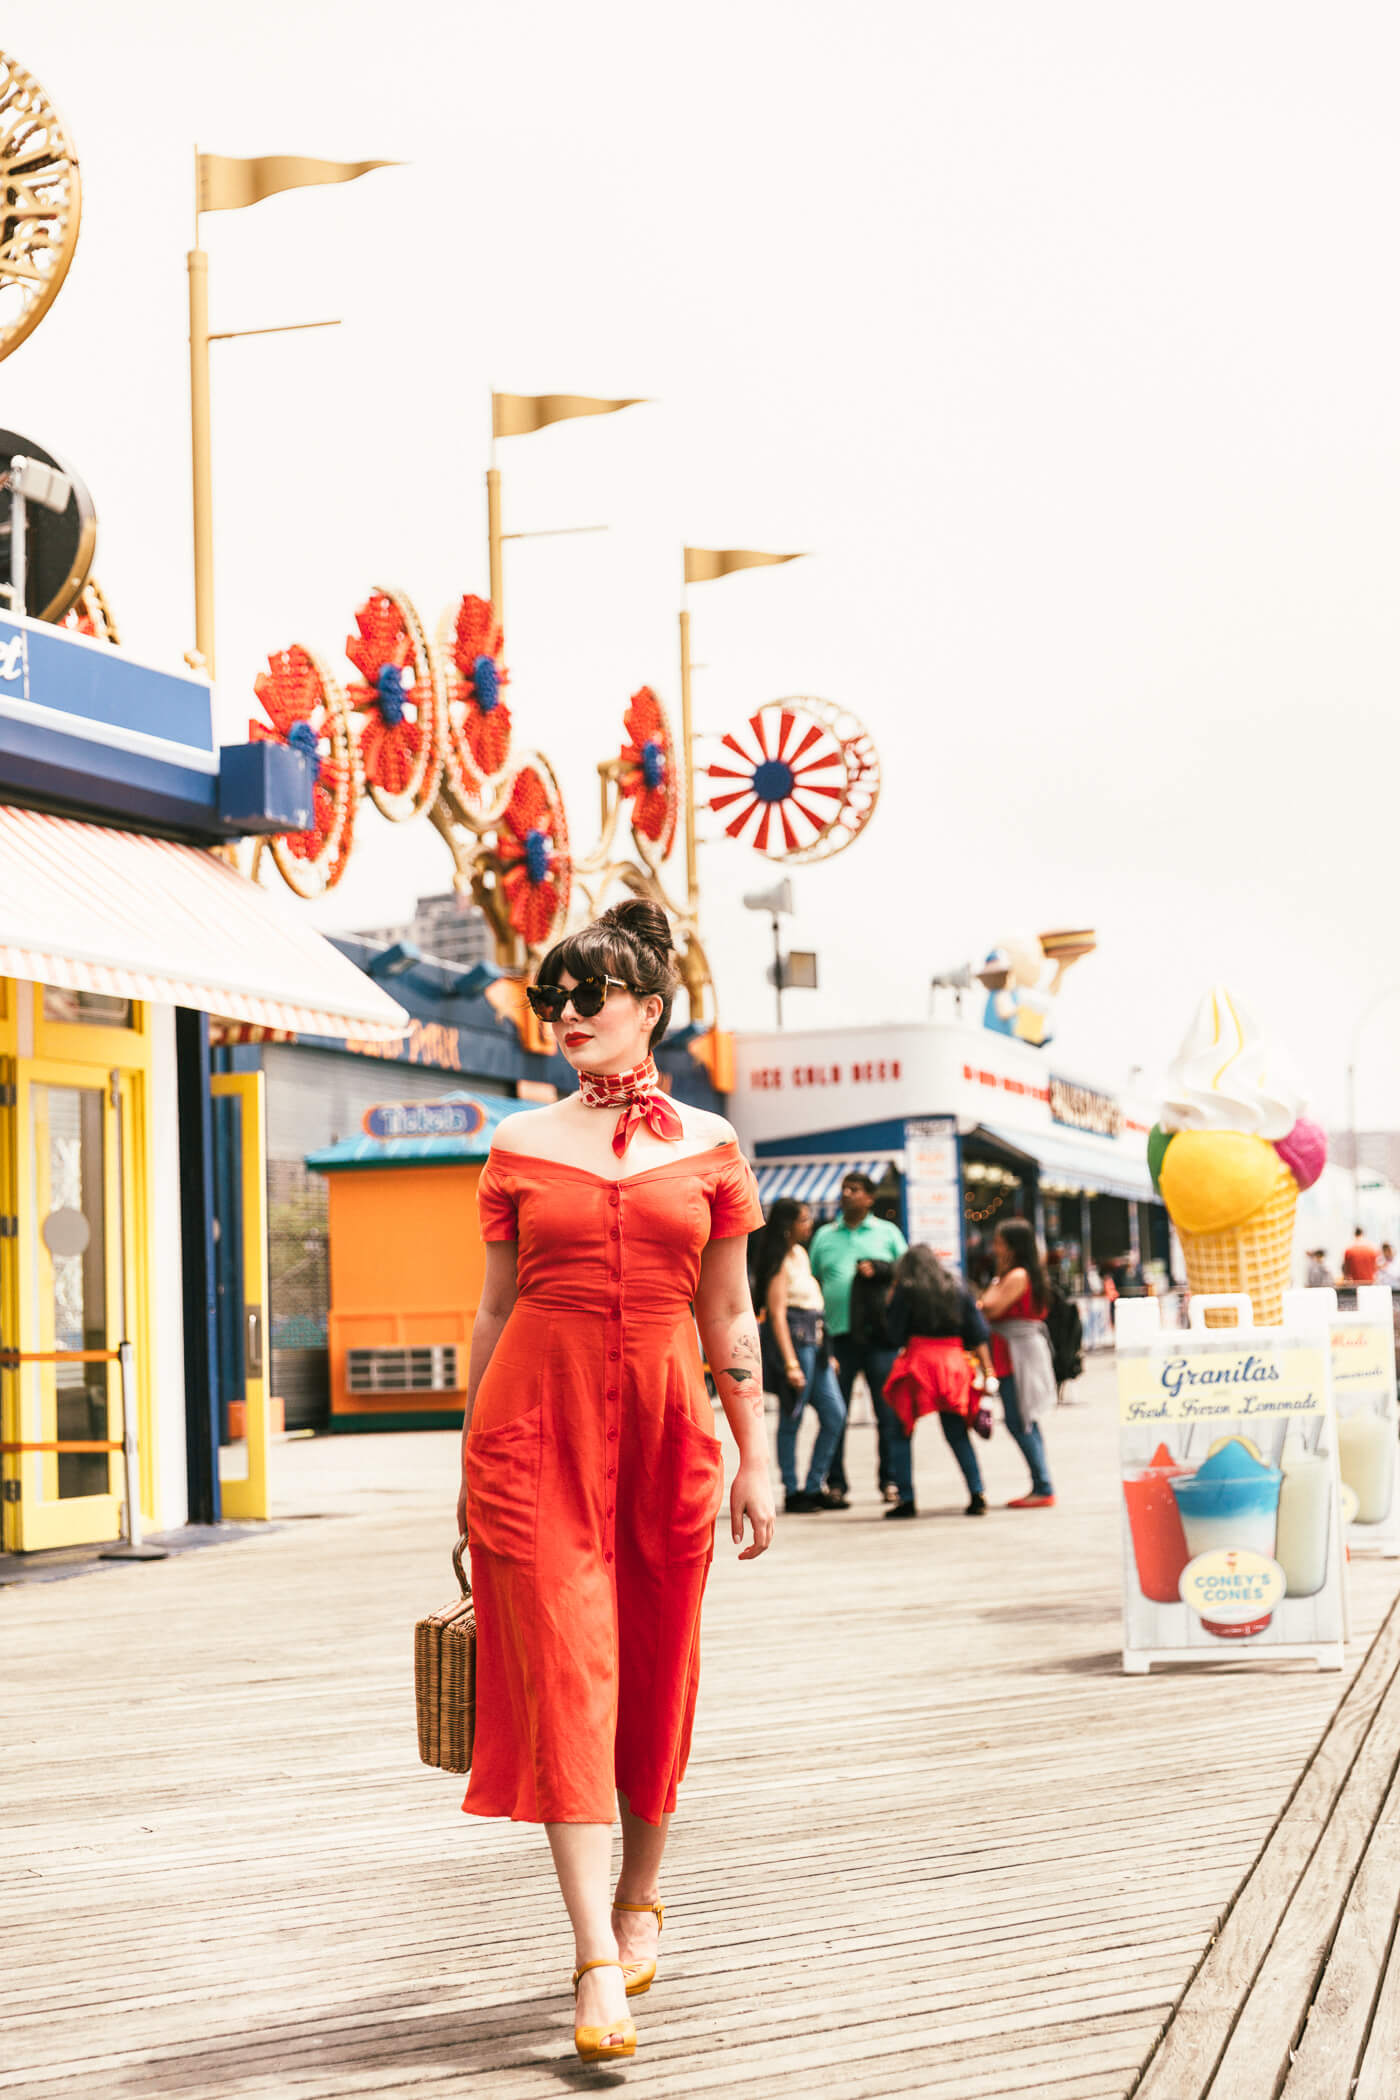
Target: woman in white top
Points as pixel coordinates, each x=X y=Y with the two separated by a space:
x=796 y=1359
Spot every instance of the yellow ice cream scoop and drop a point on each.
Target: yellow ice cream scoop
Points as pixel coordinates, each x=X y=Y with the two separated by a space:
x=1212 y=1180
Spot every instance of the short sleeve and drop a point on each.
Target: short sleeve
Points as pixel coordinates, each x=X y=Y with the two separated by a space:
x=495 y=1200
x=734 y=1204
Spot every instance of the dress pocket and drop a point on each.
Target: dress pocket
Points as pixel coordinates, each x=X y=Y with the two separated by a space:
x=695 y=1474
x=503 y=1486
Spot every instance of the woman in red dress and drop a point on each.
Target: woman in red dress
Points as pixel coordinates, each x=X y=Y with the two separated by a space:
x=615 y=1222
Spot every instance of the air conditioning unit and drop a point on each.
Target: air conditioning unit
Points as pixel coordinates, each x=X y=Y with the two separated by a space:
x=429 y=1368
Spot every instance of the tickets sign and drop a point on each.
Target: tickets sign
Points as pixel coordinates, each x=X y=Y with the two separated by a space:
x=1231 y=1510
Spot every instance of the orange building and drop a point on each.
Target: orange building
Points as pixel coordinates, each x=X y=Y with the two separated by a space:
x=406 y=1259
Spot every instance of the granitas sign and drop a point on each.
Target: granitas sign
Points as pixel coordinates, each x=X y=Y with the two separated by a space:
x=1232 y=1528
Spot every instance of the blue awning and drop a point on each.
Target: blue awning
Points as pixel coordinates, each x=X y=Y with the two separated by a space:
x=811 y=1180
x=1094 y=1165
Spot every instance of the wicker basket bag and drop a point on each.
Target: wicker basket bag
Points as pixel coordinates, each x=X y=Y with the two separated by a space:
x=444 y=1675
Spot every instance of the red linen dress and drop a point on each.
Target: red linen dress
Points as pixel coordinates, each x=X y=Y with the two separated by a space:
x=593 y=1483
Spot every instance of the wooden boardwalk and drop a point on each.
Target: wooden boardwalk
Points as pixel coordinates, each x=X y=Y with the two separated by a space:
x=932 y=1842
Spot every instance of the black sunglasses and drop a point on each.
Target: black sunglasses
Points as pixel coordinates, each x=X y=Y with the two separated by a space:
x=549 y=1000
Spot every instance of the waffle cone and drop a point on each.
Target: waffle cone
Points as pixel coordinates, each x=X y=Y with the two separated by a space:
x=1255 y=1257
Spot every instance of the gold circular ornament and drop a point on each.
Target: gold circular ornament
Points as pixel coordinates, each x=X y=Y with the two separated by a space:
x=40 y=204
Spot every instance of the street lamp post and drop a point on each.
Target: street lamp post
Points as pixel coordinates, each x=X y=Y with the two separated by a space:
x=775 y=902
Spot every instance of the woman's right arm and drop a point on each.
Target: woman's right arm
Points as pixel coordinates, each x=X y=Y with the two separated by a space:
x=497 y=1299
x=776 y=1302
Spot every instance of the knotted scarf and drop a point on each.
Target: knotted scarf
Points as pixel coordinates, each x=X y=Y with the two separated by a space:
x=642 y=1100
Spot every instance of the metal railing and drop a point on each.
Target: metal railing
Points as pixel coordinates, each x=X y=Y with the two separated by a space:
x=123 y=1355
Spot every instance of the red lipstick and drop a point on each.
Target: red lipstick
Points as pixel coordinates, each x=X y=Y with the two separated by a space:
x=573 y=1039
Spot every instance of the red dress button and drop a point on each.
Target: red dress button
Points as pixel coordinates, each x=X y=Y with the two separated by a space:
x=612 y=1473
x=614 y=1197
x=610 y=1509
x=613 y=1355
x=612 y=1436
x=613 y=1234
x=608 y=1558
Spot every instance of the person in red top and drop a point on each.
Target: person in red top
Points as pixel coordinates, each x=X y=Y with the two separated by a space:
x=1360 y=1261
x=1015 y=1305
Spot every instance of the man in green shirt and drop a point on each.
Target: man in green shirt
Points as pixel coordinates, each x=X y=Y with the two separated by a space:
x=853 y=1260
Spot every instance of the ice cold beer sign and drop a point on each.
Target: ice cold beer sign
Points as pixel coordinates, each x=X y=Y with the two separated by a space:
x=1232 y=1524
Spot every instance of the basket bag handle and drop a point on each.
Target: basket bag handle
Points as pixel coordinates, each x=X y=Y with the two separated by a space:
x=463 y=1578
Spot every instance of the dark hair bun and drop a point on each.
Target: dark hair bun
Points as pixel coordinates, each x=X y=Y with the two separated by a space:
x=638 y=919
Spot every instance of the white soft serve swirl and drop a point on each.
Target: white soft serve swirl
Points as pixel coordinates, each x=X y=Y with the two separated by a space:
x=1225 y=1076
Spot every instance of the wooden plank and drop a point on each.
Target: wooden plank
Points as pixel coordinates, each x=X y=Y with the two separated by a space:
x=1256 y=2056
x=1339 y=2019
x=872 y=1891
x=1194 y=2042
x=1376 y=2078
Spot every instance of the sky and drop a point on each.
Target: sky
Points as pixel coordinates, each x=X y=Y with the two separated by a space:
x=1064 y=337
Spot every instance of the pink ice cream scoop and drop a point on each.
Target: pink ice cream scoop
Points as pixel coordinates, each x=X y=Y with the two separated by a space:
x=1303 y=1151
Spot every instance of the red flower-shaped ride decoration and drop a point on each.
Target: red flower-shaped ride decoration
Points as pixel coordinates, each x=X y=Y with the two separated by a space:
x=400 y=699
x=794 y=770
x=532 y=851
x=648 y=775
x=478 y=719
x=91 y=615
x=306 y=709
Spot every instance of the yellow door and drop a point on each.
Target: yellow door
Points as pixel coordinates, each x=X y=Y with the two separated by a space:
x=66 y=1290
x=243 y=1482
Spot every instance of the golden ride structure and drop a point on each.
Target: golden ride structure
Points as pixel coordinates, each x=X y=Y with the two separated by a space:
x=425 y=729
x=40 y=204
x=90 y=614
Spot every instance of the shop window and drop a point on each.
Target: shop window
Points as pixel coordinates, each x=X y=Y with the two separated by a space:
x=88 y=1009
x=72 y=1278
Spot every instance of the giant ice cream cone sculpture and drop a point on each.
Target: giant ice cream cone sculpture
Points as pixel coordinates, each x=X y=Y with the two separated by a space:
x=1230 y=1154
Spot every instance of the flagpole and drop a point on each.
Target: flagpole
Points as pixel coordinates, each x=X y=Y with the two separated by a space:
x=493 y=522
x=692 y=885
x=201 y=471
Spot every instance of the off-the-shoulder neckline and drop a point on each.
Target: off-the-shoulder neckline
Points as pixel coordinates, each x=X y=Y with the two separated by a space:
x=564 y=1166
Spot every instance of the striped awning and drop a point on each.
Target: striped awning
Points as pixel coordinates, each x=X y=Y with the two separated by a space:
x=99 y=910
x=811 y=1180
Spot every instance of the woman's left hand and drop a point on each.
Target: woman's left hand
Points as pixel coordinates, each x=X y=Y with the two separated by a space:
x=751 y=1496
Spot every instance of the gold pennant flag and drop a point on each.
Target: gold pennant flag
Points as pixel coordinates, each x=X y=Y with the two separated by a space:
x=227 y=185
x=515 y=415
x=705 y=564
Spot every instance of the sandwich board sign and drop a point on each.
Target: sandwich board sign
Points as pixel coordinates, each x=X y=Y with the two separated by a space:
x=1368 y=1417
x=1230 y=1492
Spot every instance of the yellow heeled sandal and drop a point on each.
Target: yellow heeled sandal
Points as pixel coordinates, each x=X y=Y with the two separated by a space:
x=641 y=1975
x=592 y=2043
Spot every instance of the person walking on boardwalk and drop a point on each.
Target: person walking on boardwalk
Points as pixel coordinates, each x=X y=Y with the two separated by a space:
x=935 y=1327
x=1015 y=1304
x=853 y=1260
x=615 y=1222
x=797 y=1365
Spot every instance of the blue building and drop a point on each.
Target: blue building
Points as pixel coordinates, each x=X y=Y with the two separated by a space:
x=124 y=935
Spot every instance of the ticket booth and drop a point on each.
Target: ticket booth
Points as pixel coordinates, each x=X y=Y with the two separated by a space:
x=406 y=1259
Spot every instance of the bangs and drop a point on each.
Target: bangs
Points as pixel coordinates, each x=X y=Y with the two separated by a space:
x=591 y=952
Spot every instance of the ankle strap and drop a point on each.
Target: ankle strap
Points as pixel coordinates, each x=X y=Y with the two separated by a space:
x=584 y=1967
x=658 y=1910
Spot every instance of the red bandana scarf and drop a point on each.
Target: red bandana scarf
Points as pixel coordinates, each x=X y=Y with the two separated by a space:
x=643 y=1102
